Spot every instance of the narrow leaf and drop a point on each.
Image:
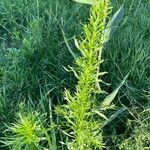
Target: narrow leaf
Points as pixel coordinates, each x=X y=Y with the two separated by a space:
x=108 y=100
x=100 y=114
x=76 y=44
x=90 y=2
x=113 y=24
x=114 y=116
x=67 y=44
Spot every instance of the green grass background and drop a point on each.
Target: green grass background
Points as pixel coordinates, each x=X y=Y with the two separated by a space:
x=33 y=53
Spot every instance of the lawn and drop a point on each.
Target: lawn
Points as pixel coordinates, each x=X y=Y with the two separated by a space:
x=74 y=75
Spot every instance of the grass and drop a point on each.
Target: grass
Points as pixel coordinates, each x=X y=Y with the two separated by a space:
x=132 y=51
x=33 y=55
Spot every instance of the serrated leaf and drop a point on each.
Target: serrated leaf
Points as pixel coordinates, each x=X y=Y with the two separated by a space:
x=108 y=100
x=114 y=116
x=113 y=24
x=90 y=2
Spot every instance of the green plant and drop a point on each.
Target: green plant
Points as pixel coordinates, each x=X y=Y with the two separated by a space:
x=33 y=49
x=140 y=136
x=83 y=119
x=26 y=133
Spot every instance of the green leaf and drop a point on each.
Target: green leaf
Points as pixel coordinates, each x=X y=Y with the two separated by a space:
x=100 y=114
x=72 y=70
x=115 y=115
x=90 y=2
x=108 y=100
x=113 y=24
x=67 y=44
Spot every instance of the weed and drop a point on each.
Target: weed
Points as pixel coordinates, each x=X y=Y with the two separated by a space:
x=84 y=131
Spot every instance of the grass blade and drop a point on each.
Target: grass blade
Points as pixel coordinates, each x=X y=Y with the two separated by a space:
x=115 y=115
x=108 y=100
x=113 y=24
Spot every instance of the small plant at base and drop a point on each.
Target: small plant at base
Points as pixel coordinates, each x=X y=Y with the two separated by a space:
x=26 y=133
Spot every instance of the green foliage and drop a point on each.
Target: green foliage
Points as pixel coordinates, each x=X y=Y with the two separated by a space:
x=128 y=50
x=140 y=139
x=83 y=128
x=26 y=133
x=108 y=100
x=37 y=39
x=113 y=24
